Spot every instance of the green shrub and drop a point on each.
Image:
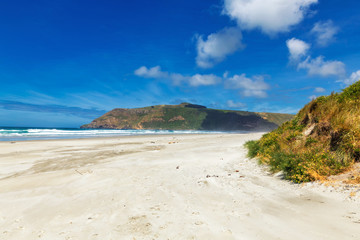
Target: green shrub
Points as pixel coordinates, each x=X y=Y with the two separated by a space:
x=253 y=148
x=350 y=93
x=293 y=166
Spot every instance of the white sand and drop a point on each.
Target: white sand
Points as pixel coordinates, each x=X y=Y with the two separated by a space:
x=160 y=187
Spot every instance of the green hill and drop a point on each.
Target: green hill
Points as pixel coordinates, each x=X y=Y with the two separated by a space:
x=187 y=116
x=322 y=140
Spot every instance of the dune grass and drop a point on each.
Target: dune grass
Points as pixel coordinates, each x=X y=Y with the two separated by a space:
x=323 y=139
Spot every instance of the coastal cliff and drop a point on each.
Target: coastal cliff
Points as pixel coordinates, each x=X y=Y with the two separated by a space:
x=187 y=116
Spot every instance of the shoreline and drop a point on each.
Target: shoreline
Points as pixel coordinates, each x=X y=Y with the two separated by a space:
x=122 y=136
x=69 y=136
x=198 y=186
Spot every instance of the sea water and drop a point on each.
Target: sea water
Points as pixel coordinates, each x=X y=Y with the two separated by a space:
x=22 y=134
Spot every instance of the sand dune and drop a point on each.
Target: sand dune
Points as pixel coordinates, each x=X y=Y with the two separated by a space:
x=161 y=187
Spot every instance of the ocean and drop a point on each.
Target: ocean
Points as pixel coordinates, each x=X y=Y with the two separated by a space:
x=22 y=133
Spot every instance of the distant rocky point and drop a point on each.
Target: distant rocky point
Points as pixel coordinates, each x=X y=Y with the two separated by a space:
x=187 y=116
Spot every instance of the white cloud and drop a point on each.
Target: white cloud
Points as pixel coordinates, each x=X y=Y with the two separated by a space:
x=236 y=105
x=249 y=87
x=204 y=80
x=271 y=16
x=217 y=46
x=255 y=87
x=354 y=77
x=297 y=49
x=324 y=32
x=176 y=78
x=312 y=97
x=319 y=66
x=319 y=90
x=154 y=72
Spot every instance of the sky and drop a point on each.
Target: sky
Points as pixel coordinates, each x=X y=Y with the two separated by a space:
x=65 y=62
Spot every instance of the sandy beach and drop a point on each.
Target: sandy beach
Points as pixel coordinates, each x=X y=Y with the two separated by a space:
x=161 y=187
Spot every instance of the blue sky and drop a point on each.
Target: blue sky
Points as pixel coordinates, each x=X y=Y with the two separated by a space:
x=66 y=62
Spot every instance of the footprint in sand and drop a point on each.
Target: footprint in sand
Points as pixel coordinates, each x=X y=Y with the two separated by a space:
x=136 y=225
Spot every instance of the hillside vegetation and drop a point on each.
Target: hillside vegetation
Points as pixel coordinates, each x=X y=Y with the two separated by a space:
x=322 y=140
x=187 y=116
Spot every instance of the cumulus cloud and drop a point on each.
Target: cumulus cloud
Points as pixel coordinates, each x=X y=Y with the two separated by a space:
x=320 y=67
x=354 y=77
x=297 y=49
x=271 y=16
x=236 y=105
x=319 y=90
x=217 y=46
x=154 y=72
x=324 y=32
x=178 y=79
x=204 y=80
x=249 y=87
